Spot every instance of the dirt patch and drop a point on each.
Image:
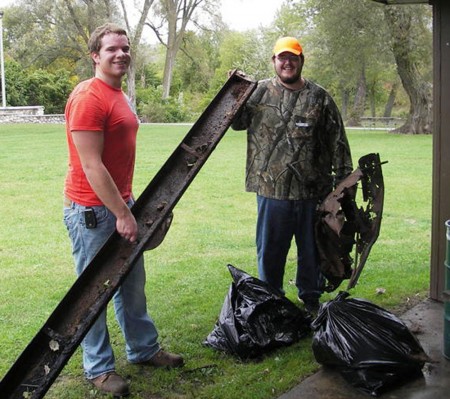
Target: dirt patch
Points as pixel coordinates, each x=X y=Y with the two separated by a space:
x=409 y=303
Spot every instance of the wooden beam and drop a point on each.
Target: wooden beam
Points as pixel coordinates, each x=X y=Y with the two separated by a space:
x=392 y=2
x=441 y=144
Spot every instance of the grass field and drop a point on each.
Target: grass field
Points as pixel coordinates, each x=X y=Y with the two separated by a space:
x=187 y=277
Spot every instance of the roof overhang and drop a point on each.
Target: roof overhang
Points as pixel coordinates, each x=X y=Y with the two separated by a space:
x=402 y=1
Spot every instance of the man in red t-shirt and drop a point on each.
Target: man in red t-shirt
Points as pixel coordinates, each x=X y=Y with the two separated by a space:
x=101 y=129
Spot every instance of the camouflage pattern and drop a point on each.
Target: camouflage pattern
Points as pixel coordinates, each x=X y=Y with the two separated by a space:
x=297 y=146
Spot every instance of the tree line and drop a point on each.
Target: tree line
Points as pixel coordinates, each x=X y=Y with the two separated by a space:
x=376 y=60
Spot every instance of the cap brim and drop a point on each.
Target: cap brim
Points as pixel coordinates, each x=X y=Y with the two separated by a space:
x=288 y=50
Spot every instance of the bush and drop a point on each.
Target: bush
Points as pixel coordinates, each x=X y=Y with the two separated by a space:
x=38 y=87
x=153 y=109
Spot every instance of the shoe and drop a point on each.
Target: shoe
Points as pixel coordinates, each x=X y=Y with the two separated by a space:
x=312 y=305
x=111 y=383
x=165 y=359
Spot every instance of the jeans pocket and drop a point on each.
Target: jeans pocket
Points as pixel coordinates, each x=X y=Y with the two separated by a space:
x=67 y=217
x=101 y=213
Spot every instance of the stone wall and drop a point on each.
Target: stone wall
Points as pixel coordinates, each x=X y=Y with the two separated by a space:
x=26 y=110
x=28 y=114
x=23 y=118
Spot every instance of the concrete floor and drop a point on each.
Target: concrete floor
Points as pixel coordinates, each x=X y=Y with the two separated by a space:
x=426 y=321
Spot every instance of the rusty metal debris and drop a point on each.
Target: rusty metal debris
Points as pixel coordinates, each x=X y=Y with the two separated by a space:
x=342 y=225
x=43 y=359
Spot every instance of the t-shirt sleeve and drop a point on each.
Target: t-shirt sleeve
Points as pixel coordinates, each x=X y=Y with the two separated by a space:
x=87 y=112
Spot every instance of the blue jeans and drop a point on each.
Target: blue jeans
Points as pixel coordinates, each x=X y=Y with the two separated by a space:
x=130 y=303
x=278 y=222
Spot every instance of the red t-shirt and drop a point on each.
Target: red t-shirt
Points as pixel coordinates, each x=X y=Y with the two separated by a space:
x=97 y=107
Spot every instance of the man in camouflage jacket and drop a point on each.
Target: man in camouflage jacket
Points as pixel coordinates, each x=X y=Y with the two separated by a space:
x=297 y=151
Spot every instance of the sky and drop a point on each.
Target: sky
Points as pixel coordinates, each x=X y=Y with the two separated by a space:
x=238 y=14
x=249 y=14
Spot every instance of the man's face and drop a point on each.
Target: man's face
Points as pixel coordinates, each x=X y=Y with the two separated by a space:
x=113 y=59
x=288 y=67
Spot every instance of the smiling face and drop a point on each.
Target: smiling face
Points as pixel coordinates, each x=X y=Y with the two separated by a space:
x=113 y=59
x=288 y=67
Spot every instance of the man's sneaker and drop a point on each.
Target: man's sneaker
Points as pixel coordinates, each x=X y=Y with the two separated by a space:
x=165 y=359
x=111 y=383
x=312 y=305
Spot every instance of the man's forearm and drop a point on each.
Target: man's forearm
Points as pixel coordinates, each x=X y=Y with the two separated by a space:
x=106 y=190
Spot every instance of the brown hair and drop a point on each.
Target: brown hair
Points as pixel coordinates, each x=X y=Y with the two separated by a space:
x=95 y=41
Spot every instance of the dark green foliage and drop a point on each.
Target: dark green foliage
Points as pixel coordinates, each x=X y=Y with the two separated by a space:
x=346 y=43
x=49 y=89
x=151 y=108
x=38 y=87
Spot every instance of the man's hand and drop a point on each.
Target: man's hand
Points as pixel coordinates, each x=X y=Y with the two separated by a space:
x=127 y=227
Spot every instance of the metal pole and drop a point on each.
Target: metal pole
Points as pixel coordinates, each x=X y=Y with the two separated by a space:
x=2 y=61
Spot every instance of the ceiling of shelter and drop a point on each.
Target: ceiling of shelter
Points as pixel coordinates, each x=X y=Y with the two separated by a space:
x=402 y=1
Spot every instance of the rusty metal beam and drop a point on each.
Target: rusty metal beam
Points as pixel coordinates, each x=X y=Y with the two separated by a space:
x=342 y=224
x=43 y=359
x=370 y=218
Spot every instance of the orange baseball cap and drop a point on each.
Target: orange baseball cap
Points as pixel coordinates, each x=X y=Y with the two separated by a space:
x=287 y=44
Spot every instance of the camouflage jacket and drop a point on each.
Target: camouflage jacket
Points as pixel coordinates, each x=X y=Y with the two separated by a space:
x=297 y=146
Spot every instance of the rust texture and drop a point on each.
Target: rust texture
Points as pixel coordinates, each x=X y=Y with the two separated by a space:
x=341 y=225
x=45 y=356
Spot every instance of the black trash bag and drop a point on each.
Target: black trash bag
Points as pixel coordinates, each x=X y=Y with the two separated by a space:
x=371 y=348
x=255 y=319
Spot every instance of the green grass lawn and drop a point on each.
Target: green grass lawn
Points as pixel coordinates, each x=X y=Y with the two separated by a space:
x=187 y=277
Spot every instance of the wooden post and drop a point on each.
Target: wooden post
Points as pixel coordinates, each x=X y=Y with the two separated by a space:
x=441 y=145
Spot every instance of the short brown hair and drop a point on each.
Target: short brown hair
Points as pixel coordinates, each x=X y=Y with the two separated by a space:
x=95 y=41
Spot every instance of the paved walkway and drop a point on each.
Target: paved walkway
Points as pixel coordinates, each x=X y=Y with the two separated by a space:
x=426 y=321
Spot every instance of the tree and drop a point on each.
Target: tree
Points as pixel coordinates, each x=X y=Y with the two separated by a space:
x=86 y=18
x=391 y=99
x=135 y=41
x=63 y=28
x=48 y=89
x=345 y=50
x=174 y=16
x=16 y=83
x=405 y=25
x=39 y=87
x=47 y=33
